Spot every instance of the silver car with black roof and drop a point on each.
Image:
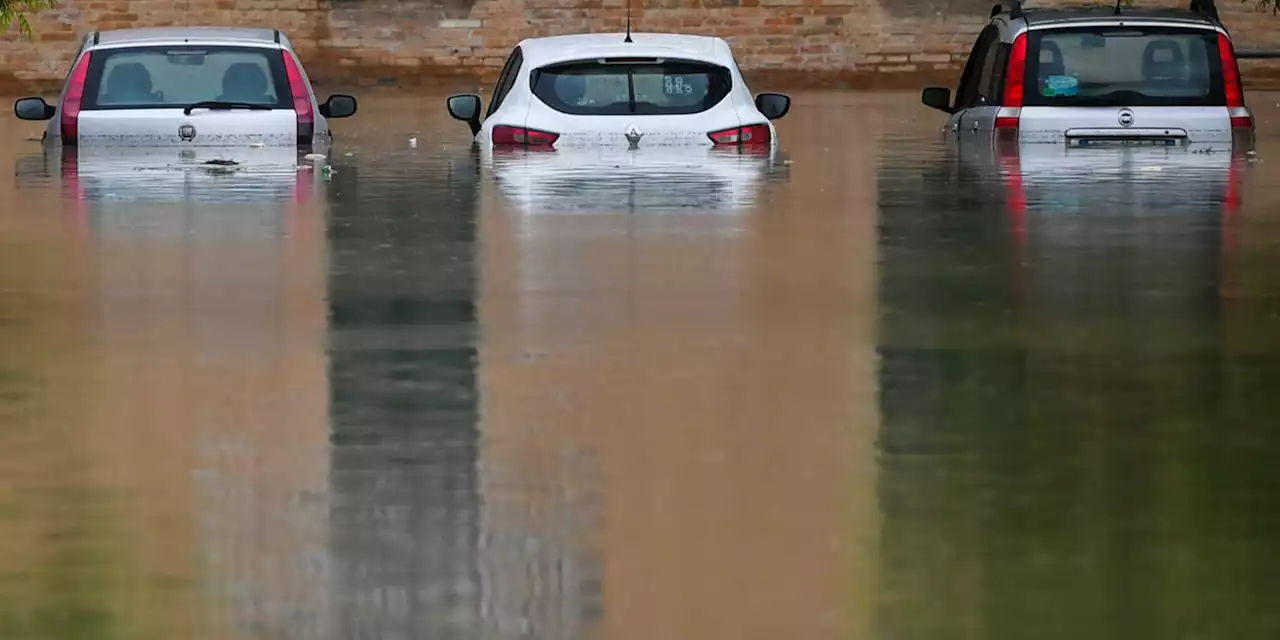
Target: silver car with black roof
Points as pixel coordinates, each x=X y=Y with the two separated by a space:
x=187 y=86
x=1100 y=75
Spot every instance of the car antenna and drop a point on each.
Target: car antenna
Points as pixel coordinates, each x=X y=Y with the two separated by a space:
x=628 y=39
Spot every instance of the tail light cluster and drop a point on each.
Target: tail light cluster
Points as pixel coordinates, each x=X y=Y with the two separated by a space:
x=1008 y=116
x=74 y=97
x=301 y=99
x=751 y=135
x=505 y=135
x=1240 y=116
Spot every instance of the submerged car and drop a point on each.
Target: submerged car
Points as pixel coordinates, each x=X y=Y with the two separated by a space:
x=631 y=90
x=187 y=86
x=1104 y=76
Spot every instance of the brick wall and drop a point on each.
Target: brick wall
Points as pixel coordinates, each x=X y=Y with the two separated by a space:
x=856 y=43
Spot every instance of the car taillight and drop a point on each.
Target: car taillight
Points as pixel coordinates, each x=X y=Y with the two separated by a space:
x=753 y=135
x=1014 y=81
x=301 y=99
x=1240 y=116
x=502 y=134
x=71 y=101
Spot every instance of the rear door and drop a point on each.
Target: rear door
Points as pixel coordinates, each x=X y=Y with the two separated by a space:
x=640 y=101
x=968 y=94
x=985 y=101
x=188 y=95
x=1132 y=83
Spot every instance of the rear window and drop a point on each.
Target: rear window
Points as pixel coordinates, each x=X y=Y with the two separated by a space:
x=1123 y=66
x=174 y=77
x=618 y=87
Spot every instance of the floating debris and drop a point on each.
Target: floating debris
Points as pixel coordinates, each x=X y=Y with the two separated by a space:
x=413 y=143
x=257 y=145
x=219 y=165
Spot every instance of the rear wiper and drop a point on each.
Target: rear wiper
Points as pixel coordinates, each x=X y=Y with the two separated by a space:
x=221 y=104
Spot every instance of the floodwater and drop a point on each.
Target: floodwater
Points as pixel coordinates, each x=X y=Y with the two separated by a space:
x=869 y=388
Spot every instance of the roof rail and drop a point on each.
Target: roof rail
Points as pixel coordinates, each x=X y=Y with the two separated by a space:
x=1015 y=8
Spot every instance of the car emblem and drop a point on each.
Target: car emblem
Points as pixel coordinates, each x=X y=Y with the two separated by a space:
x=187 y=132
x=1126 y=118
x=633 y=136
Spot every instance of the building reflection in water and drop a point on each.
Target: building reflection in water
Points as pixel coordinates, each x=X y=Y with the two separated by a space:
x=202 y=323
x=402 y=328
x=678 y=406
x=1063 y=424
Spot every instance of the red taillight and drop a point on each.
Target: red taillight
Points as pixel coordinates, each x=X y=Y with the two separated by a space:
x=1014 y=82
x=1015 y=76
x=502 y=134
x=1240 y=116
x=752 y=135
x=1230 y=72
x=301 y=99
x=71 y=101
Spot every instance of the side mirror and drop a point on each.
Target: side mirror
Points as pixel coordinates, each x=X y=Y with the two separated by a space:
x=773 y=105
x=338 y=106
x=466 y=107
x=937 y=97
x=33 y=109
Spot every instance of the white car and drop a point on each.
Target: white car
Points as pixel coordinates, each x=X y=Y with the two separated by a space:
x=629 y=90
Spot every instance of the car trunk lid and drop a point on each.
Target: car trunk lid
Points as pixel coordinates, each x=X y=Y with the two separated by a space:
x=1125 y=125
x=202 y=128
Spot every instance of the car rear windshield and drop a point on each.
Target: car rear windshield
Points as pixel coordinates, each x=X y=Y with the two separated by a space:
x=1124 y=66
x=175 y=77
x=631 y=86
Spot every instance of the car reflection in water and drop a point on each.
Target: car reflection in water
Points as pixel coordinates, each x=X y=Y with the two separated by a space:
x=1150 y=182
x=169 y=191
x=653 y=180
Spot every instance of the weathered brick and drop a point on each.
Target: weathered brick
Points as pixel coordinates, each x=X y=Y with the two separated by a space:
x=931 y=57
x=379 y=41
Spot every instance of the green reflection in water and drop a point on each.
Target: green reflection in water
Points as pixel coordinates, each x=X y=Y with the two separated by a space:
x=62 y=569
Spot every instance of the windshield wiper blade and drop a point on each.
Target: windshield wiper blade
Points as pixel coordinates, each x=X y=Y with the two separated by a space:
x=222 y=104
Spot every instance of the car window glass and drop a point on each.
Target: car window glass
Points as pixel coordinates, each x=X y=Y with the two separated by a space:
x=506 y=80
x=172 y=77
x=967 y=93
x=987 y=75
x=643 y=87
x=1124 y=66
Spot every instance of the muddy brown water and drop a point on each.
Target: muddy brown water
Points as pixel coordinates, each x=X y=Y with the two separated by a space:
x=872 y=388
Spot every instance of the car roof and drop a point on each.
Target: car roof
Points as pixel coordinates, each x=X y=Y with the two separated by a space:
x=541 y=51
x=1095 y=13
x=142 y=35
